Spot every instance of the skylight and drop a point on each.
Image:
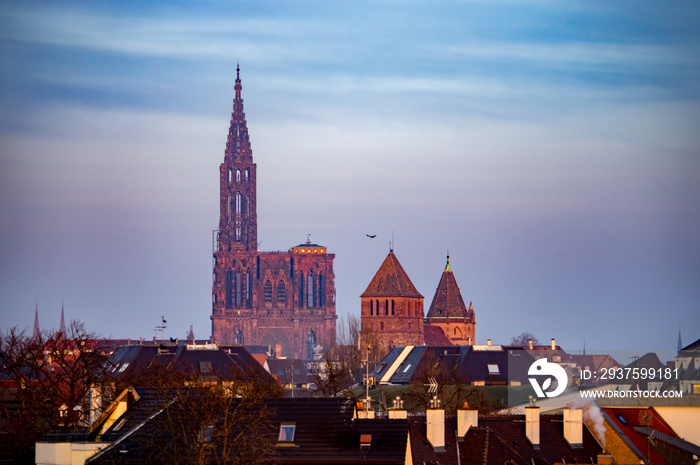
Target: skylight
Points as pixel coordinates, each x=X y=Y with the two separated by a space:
x=287 y=430
x=408 y=367
x=493 y=369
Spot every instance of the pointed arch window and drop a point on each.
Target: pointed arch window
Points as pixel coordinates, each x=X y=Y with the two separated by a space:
x=238 y=203
x=229 y=174
x=238 y=337
x=268 y=292
x=247 y=174
x=247 y=205
x=238 y=231
x=386 y=307
x=238 y=175
x=310 y=289
x=228 y=208
x=248 y=290
x=229 y=289
x=281 y=292
x=371 y=308
x=392 y=307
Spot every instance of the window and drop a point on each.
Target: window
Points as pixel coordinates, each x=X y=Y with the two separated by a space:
x=392 y=306
x=205 y=366
x=287 y=431
x=268 y=292
x=247 y=174
x=238 y=175
x=408 y=367
x=238 y=203
x=386 y=307
x=206 y=433
x=371 y=308
x=310 y=290
x=238 y=337
x=310 y=344
x=493 y=369
x=380 y=368
x=229 y=174
x=281 y=292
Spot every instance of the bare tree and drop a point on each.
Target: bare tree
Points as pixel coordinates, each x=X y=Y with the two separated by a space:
x=223 y=419
x=523 y=339
x=44 y=380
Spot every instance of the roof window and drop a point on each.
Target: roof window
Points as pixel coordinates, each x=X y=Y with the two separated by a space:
x=408 y=367
x=493 y=369
x=287 y=430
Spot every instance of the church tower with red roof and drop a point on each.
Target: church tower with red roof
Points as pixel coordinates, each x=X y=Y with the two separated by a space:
x=392 y=307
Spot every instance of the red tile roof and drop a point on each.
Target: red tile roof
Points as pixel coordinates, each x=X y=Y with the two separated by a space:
x=391 y=281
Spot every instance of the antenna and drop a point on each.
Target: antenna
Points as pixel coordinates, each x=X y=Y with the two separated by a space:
x=161 y=328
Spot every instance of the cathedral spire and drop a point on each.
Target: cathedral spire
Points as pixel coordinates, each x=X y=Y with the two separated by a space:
x=36 y=333
x=238 y=143
x=62 y=327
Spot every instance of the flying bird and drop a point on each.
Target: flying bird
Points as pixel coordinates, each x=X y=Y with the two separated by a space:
x=372 y=236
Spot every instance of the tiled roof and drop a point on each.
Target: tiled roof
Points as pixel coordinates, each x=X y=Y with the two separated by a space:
x=502 y=438
x=391 y=281
x=448 y=301
x=324 y=432
x=623 y=421
x=435 y=336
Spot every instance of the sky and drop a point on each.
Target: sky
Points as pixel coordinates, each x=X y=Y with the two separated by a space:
x=553 y=148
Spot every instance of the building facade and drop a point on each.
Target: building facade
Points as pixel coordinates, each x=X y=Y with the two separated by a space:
x=391 y=307
x=284 y=300
x=392 y=311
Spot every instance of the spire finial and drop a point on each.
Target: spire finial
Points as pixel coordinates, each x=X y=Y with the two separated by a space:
x=36 y=332
x=238 y=70
x=62 y=327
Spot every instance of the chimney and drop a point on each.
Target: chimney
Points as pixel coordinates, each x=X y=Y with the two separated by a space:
x=529 y=343
x=488 y=342
x=466 y=418
x=573 y=426
x=397 y=410
x=278 y=350
x=554 y=344
x=604 y=458
x=435 y=425
x=532 y=425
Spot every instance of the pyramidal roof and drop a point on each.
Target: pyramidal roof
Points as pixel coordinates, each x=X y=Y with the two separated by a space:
x=448 y=301
x=391 y=281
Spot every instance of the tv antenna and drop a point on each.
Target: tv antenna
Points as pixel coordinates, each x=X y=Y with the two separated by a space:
x=161 y=328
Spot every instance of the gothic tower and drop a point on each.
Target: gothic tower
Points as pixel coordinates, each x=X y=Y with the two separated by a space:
x=448 y=312
x=391 y=307
x=281 y=300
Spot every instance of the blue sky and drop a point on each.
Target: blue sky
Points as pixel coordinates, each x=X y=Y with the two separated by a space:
x=552 y=147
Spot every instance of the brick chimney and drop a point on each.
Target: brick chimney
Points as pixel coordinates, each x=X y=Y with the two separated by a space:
x=435 y=425
x=488 y=342
x=529 y=344
x=554 y=344
x=573 y=426
x=532 y=425
x=466 y=418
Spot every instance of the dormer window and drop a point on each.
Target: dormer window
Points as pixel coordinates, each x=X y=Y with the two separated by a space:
x=287 y=430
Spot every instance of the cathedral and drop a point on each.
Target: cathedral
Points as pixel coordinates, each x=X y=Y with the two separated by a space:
x=284 y=300
x=391 y=310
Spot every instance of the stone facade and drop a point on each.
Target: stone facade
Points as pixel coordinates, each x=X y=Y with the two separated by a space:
x=391 y=307
x=392 y=310
x=284 y=300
